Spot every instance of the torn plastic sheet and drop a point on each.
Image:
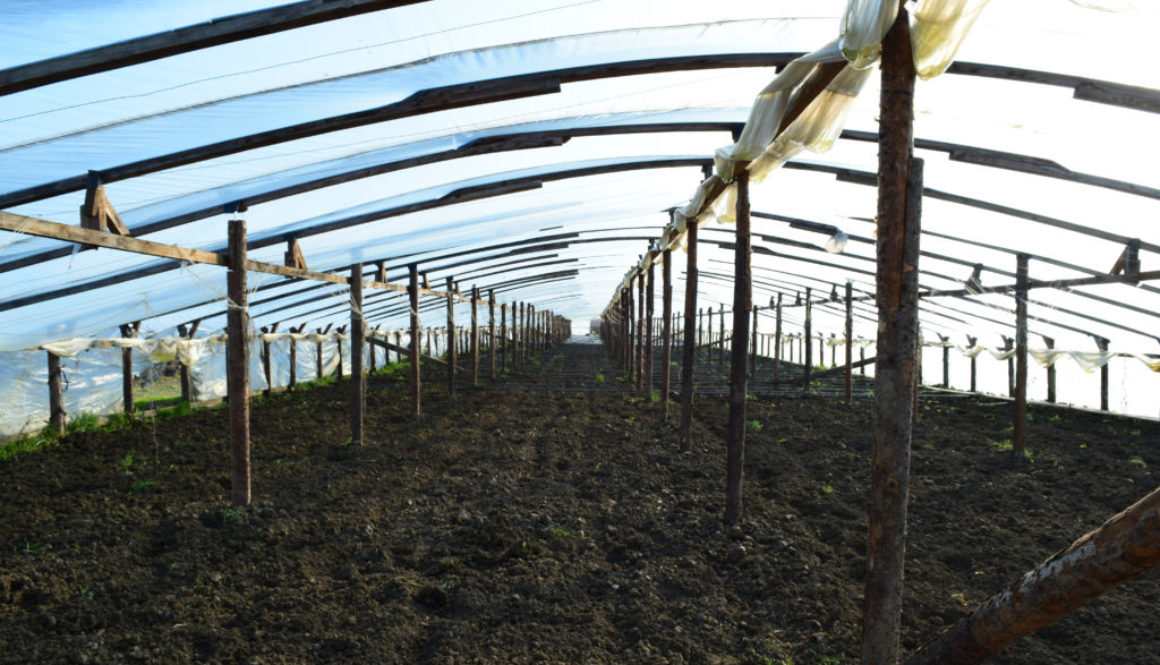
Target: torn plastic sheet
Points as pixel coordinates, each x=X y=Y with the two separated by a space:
x=938 y=28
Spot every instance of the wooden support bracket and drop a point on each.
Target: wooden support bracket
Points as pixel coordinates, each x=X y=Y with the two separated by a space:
x=97 y=212
x=294 y=258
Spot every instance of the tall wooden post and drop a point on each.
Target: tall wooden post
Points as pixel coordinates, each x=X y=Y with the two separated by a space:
x=491 y=347
x=474 y=336
x=689 y=348
x=700 y=329
x=238 y=364
x=946 y=360
x=1008 y=344
x=849 y=342
x=128 y=331
x=56 y=414
x=358 y=343
x=648 y=333
x=638 y=358
x=183 y=372
x=808 y=340
x=777 y=343
x=451 y=345
x=267 y=370
x=1050 y=343
x=899 y=216
x=666 y=331
x=721 y=321
x=413 y=294
x=1102 y=343
x=753 y=344
x=738 y=381
x=294 y=356
x=1019 y=433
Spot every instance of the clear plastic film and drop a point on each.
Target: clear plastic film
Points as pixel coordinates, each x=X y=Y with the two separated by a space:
x=769 y=108
x=864 y=25
x=937 y=30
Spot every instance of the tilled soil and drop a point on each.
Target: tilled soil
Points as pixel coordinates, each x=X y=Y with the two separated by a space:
x=543 y=526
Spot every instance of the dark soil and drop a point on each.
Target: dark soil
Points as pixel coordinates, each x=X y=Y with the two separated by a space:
x=543 y=526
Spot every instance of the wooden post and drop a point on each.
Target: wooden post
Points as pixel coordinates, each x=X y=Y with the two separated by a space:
x=416 y=377
x=1019 y=433
x=666 y=331
x=738 y=383
x=338 y=346
x=689 y=348
x=833 y=349
x=451 y=345
x=700 y=329
x=638 y=357
x=1050 y=343
x=1103 y=344
x=357 y=344
x=56 y=414
x=238 y=364
x=517 y=334
x=946 y=358
x=972 y=341
x=849 y=342
x=648 y=334
x=266 y=370
x=474 y=336
x=899 y=216
x=183 y=371
x=318 y=356
x=491 y=347
x=1122 y=548
x=128 y=331
x=503 y=335
x=777 y=343
x=808 y=340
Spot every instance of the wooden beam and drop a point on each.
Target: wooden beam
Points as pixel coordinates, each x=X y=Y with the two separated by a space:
x=56 y=413
x=413 y=294
x=294 y=257
x=1019 y=429
x=474 y=336
x=666 y=331
x=491 y=345
x=128 y=331
x=400 y=349
x=184 y=40
x=238 y=367
x=451 y=345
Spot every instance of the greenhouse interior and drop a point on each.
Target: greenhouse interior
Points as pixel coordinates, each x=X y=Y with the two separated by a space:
x=580 y=331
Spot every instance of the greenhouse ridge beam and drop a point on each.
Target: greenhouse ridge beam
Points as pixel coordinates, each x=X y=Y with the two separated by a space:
x=183 y=40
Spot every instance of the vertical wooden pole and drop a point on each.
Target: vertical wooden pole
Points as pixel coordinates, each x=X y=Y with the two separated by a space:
x=648 y=333
x=266 y=370
x=1019 y=432
x=357 y=345
x=1102 y=342
x=738 y=381
x=899 y=216
x=1050 y=343
x=700 y=330
x=777 y=343
x=1008 y=344
x=338 y=344
x=474 y=336
x=808 y=340
x=451 y=345
x=294 y=356
x=238 y=363
x=753 y=344
x=56 y=414
x=128 y=331
x=849 y=342
x=638 y=332
x=318 y=357
x=666 y=331
x=416 y=377
x=833 y=349
x=689 y=348
x=721 y=325
x=491 y=347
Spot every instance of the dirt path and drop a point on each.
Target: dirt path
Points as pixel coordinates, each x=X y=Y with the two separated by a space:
x=524 y=525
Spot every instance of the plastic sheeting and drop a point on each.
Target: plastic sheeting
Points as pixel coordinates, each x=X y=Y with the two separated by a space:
x=91 y=382
x=938 y=28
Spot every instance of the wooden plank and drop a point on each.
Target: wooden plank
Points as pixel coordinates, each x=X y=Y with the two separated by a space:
x=195 y=37
x=400 y=349
x=738 y=379
x=897 y=300
x=358 y=386
x=46 y=229
x=238 y=367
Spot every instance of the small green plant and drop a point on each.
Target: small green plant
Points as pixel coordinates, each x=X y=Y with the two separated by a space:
x=142 y=485
x=346 y=444
x=83 y=422
x=751 y=397
x=1055 y=418
x=26 y=444
x=830 y=660
x=233 y=516
x=756 y=425
x=1135 y=432
x=1138 y=461
x=599 y=378
x=126 y=464
x=655 y=397
x=561 y=531
x=1005 y=445
x=827 y=488
x=86 y=593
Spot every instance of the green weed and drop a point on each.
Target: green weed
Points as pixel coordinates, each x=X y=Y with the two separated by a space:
x=827 y=488
x=599 y=378
x=142 y=485
x=1138 y=461
x=126 y=464
x=26 y=444
x=233 y=516
x=756 y=425
x=83 y=422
